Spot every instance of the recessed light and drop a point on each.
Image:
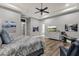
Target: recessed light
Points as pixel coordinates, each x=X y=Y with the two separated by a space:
x=66 y=5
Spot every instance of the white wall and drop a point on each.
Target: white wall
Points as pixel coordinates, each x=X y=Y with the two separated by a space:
x=33 y=23
x=60 y=23
x=10 y=15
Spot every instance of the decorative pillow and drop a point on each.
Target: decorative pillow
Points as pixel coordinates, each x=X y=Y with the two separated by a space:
x=6 y=39
x=0 y=42
x=0 y=35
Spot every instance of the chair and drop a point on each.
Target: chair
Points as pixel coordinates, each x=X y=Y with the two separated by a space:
x=72 y=51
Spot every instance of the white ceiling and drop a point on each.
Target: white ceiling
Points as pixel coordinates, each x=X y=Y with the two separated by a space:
x=29 y=8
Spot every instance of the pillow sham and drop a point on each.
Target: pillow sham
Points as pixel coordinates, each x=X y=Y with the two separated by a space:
x=5 y=37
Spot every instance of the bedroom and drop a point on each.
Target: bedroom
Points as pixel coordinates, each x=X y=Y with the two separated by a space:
x=33 y=29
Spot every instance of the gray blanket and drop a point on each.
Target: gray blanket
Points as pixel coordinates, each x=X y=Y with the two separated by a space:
x=21 y=46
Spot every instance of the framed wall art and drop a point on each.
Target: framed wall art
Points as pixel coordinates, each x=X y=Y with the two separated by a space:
x=71 y=27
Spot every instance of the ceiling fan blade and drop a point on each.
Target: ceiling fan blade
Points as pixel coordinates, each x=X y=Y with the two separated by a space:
x=37 y=12
x=45 y=11
x=45 y=8
x=37 y=8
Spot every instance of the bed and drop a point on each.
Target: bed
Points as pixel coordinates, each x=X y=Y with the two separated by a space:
x=23 y=46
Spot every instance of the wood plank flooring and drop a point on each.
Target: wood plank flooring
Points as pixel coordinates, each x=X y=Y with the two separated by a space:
x=52 y=47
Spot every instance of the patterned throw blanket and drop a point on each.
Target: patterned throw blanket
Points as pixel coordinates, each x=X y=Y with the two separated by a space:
x=21 y=46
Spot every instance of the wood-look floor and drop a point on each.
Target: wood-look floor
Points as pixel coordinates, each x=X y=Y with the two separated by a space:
x=52 y=47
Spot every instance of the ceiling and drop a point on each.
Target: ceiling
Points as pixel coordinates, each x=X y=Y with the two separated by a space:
x=29 y=8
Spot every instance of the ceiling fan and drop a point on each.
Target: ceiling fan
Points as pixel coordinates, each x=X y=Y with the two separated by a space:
x=42 y=10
